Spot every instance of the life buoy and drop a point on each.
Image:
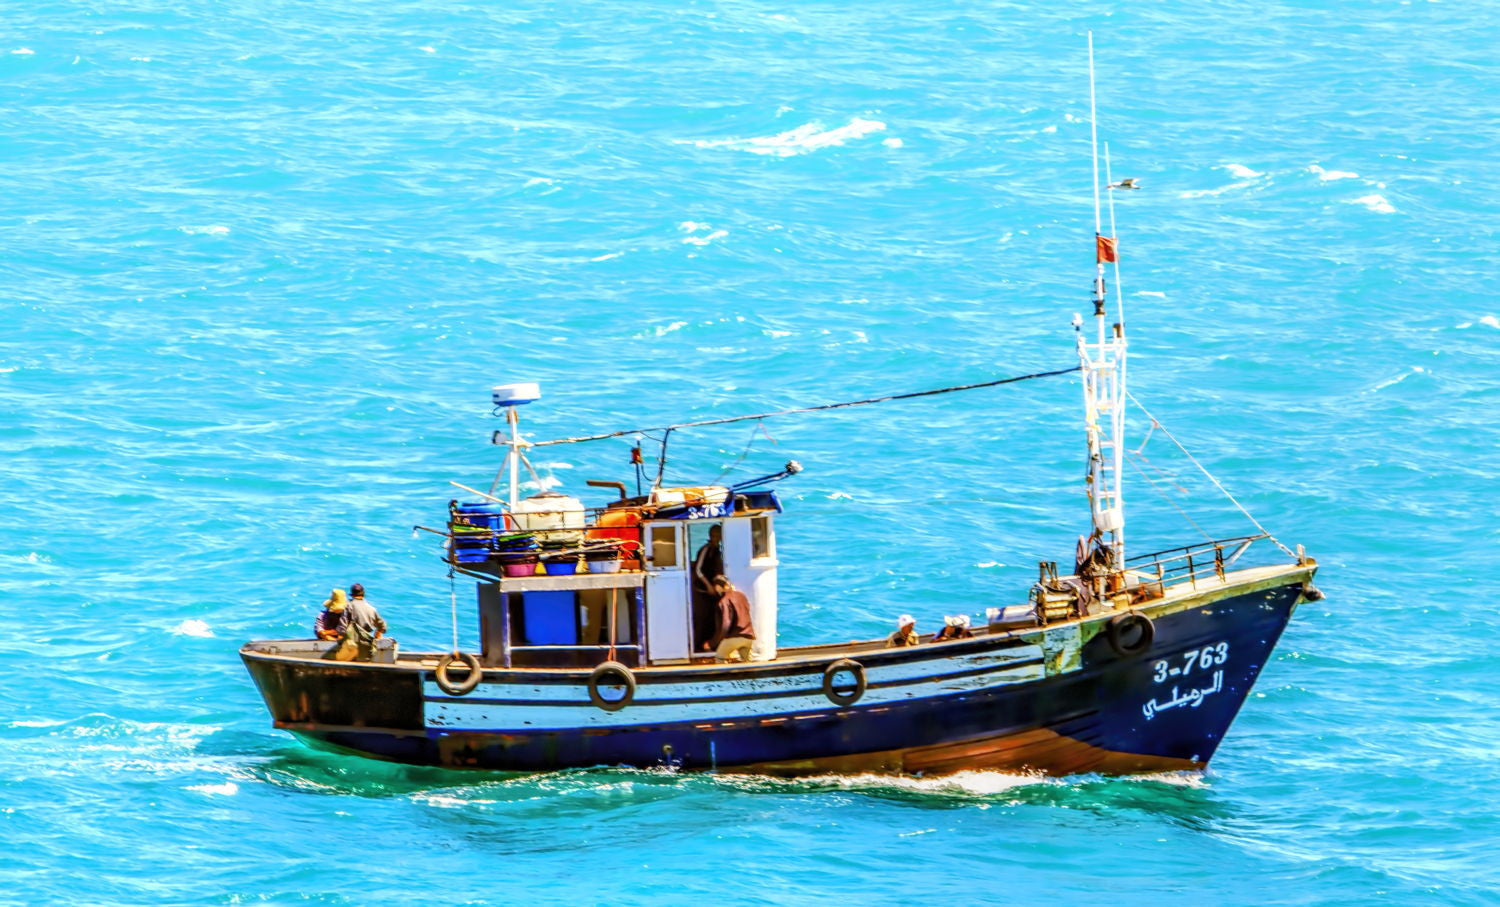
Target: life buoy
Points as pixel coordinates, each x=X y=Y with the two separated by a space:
x=1122 y=627
x=622 y=677
x=844 y=696
x=470 y=681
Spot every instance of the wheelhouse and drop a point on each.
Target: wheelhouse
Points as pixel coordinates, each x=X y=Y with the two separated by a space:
x=562 y=586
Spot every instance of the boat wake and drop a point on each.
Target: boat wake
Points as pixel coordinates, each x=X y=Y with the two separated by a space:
x=968 y=786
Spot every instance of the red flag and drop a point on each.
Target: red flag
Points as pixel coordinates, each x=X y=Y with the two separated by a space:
x=1104 y=247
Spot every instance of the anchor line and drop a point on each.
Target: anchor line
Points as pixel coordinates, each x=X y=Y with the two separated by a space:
x=804 y=409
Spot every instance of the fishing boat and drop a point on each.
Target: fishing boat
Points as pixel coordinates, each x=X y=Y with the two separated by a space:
x=592 y=634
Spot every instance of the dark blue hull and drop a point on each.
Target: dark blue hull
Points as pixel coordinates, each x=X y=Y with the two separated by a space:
x=1165 y=709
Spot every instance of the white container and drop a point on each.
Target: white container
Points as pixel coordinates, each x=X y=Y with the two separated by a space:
x=706 y=495
x=557 y=517
x=515 y=394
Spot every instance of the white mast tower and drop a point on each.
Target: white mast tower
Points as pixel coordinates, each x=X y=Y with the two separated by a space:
x=1102 y=363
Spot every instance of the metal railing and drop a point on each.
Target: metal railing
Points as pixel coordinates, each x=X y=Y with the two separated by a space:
x=1190 y=563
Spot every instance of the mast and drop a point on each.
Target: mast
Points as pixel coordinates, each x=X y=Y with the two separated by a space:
x=1102 y=363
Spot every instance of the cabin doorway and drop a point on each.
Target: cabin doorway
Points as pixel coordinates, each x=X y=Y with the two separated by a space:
x=706 y=545
x=668 y=614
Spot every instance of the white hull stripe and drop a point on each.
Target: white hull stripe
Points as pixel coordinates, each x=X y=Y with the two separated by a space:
x=528 y=714
x=730 y=688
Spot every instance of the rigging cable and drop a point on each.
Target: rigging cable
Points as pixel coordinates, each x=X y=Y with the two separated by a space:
x=1141 y=468
x=1194 y=461
x=759 y=427
x=453 y=602
x=803 y=409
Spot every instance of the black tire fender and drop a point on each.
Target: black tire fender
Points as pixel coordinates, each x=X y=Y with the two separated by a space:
x=623 y=676
x=470 y=681
x=1120 y=628
x=845 y=697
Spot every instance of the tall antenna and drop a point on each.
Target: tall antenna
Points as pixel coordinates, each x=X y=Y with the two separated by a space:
x=1111 y=185
x=1103 y=367
x=1098 y=227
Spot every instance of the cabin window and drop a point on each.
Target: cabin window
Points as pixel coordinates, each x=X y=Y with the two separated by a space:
x=664 y=546
x=760 y=537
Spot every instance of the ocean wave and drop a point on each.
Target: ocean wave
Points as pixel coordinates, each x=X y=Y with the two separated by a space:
x=808 y=137
x=1330 y=175
x=705 y=239
x=1376 y=203
x=192 y=627
x=1391 y=382
x=1209 y=193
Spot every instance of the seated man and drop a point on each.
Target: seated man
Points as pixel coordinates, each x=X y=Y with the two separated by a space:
x=331 y=621
x=735 y=635
x=906 y=632
x=955 y=627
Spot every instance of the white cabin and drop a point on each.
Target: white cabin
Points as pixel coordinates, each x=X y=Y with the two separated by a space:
x=638 y=610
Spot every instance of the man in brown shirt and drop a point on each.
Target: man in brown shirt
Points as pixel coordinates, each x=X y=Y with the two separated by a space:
x=735 y=634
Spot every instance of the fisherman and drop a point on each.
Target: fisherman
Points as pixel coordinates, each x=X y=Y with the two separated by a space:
x=707 y=564
x=364 y=623
x=735 y=635
x=906 y=633
x=955 y=627
x=333 y=617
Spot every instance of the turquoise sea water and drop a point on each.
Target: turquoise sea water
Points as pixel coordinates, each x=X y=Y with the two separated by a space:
x=263 y=260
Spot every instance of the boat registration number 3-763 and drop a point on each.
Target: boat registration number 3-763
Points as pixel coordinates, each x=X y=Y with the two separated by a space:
x=1192 y=660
